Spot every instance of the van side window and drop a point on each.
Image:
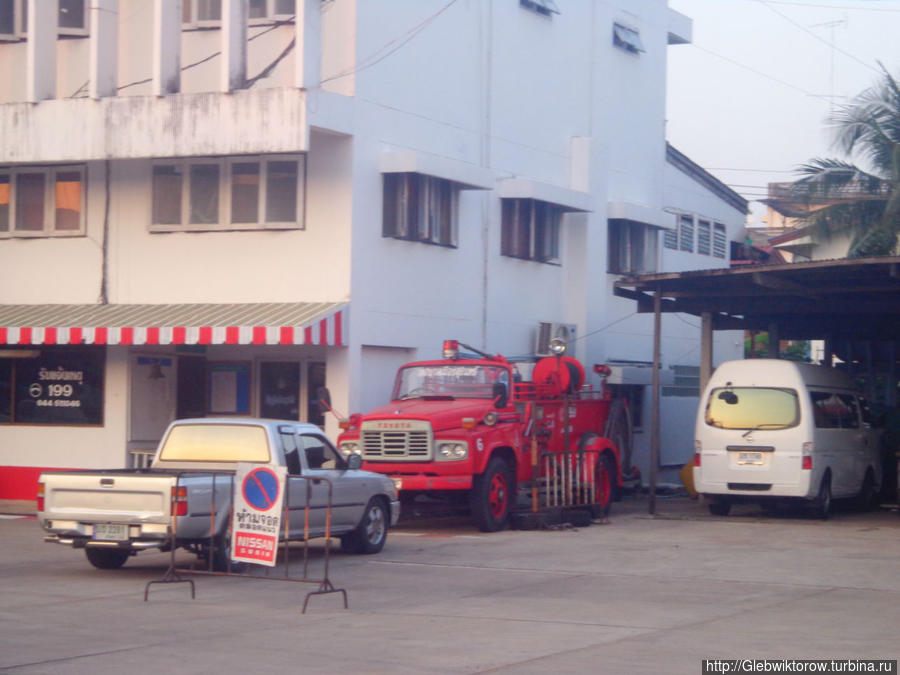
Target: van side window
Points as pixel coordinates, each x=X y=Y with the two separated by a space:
x=835 y=411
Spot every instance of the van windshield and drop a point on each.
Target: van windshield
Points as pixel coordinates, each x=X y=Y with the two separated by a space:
x=753 y=408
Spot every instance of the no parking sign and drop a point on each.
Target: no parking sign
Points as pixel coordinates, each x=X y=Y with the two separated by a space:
x=259 y=493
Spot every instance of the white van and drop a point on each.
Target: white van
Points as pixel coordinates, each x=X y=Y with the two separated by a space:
x=770 y=431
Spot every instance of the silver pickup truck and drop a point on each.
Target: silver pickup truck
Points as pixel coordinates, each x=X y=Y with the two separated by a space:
x=114 y=514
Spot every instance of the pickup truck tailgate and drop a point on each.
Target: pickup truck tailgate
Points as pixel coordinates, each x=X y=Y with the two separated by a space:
x=107 y=497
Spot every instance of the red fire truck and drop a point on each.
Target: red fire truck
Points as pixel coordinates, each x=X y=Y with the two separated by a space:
x=478 y=430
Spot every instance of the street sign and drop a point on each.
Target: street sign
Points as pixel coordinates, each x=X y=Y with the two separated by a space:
x=256 y=524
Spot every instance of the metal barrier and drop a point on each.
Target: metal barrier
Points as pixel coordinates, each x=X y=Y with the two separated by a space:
x=219 y=535
x=572 y=479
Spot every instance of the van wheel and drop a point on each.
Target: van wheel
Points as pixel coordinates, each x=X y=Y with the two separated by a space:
x=866 y=499
x=822 y=504
x=106 y=558
x=720 y=508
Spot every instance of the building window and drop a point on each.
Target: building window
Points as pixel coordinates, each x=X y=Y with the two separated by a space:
x=203 y=13
x=42 y=201
x=545 y=7
x=422 y=208
x=72 y=18
x=55 y=385
x=670 y=239
x=686 y=233
x=632 y=247
x=228 y=193
x=627 y=38
x=719 y=240
x=530 y=230
x=703 y=237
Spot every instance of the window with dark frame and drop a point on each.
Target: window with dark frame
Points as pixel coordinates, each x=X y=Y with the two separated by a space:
x=420 y=208
x=530 y=229
x=670 y=239
x=632 y=247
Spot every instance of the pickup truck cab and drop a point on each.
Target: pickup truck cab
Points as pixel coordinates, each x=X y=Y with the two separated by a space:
x=187 y=490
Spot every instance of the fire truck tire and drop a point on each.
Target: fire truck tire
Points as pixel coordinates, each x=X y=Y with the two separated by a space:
x=619 y=430
x=492 y=496
x=606 y=485
x=106 y=559
x=370 y=535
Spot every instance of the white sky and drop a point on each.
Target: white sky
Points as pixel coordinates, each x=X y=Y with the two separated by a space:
x=748 y=99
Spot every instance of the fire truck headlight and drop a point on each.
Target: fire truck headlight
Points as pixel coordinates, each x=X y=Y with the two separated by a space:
x=348 y=448
x=452 y=450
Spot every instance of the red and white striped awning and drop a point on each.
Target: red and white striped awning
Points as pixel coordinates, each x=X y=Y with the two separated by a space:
x=305 y=323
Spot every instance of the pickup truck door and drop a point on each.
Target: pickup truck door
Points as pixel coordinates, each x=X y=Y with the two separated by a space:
x=347 y=499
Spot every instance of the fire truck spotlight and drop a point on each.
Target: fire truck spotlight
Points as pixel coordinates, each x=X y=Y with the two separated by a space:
x=558 y=346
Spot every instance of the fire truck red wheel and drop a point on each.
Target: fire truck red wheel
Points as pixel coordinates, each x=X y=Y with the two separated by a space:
x=492 y=496
x=603 y=497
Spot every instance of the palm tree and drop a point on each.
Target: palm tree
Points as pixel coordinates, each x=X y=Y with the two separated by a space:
x=844 y=198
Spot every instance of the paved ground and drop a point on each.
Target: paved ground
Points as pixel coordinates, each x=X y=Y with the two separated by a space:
x=637 y=595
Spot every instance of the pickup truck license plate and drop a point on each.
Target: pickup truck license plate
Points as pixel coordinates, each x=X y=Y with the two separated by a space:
x=111 y=532
x=750 y=458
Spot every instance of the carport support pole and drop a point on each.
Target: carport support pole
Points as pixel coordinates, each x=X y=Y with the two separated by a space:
x=654 y=427
x=706 y=348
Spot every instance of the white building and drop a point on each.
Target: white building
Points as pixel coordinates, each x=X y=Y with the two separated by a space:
x=216 y=206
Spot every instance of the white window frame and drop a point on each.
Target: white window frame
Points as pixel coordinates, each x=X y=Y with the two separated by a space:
x=704 y=236
x=49 y=225
x=20 y=27
x=225 y=165
x=720 y=241
x=686 y=233
x=552 y=228
x=191 y=7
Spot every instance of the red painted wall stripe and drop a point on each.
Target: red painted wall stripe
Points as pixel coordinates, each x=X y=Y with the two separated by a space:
x=323 y=332
x=205 y=335
x=3 y=334
x=339 y=329
x=259 y=335
x=179 y=334
x=126 y=336
x=20 y=482
x=307 y=335
x=50 y=335
x=25 y=335
x=152 y=335
x=75 y=335
x=100 y=334
x=287 y=335
x=232 y=335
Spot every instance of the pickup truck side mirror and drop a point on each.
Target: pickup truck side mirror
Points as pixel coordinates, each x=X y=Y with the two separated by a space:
x=354 y=461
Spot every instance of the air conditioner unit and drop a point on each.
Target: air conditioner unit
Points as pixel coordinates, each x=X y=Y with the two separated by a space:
x=546 y=331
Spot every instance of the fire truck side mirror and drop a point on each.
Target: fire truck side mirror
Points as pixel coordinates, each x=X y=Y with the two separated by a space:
x=323 y=399
x=500 y=394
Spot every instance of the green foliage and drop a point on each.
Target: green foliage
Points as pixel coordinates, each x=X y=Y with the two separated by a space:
x=795 y=351
x=846 y=199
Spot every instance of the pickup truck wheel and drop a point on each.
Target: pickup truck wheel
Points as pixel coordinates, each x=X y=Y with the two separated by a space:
x=106 y=558
x=371 y=533
x=492 y=496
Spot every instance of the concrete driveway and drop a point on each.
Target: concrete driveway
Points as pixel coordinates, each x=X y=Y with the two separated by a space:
x=636 y=595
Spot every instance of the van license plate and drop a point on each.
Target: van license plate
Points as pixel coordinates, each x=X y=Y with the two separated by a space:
x=111 y=532
x=750 y=458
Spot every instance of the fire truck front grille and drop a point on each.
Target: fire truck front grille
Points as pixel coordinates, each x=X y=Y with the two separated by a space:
x=397 y=445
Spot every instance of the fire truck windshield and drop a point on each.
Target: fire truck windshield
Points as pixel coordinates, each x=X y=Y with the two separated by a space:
x=450 y=380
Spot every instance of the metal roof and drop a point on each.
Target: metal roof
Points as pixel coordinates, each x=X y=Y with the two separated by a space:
x=247 y=323
x=856 y=299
